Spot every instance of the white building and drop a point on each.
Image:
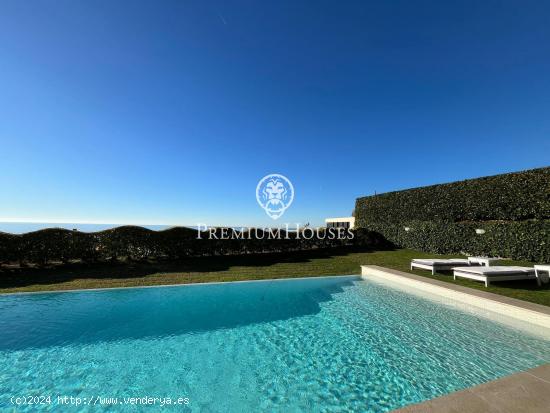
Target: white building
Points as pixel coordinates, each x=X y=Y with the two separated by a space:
x=343 y=222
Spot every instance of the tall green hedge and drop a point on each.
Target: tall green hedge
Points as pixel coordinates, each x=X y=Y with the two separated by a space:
x=515 y=196
x=528 y=240
x=512 y=209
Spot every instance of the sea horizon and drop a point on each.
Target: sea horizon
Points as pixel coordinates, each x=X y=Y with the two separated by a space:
x=24 y=227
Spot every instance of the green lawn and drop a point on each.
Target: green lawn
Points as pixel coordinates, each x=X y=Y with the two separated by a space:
x=233 y=268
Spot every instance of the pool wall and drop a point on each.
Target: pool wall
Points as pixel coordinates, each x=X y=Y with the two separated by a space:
x=190 y=284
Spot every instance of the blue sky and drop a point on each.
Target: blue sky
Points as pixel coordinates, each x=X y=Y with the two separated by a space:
x=170 y=112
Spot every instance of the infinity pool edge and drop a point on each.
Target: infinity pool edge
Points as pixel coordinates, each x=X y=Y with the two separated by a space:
x=192 y=284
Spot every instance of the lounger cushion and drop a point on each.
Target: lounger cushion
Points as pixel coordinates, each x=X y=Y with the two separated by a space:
x=441 y=261
x=496 y=270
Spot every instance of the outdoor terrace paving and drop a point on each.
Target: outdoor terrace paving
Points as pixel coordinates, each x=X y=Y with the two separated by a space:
x=528 y=391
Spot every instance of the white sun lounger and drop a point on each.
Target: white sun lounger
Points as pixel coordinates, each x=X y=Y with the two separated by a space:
x=539 y=269
x=496 y=273
x=438 y=264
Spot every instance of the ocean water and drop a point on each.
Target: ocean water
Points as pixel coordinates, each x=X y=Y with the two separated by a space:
x=308 y=345
x=23 y=227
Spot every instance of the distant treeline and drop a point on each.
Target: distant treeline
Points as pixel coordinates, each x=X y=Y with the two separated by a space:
x=138 y=243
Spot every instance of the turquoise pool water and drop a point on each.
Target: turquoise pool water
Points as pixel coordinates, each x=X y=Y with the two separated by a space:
x=308 y=345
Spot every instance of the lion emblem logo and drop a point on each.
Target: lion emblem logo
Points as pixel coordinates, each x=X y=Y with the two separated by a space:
x=274 y=194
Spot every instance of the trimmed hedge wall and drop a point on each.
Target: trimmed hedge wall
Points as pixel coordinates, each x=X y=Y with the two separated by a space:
x=527 y=240
x=515 y=196
x=513 y=210
x=137 y=243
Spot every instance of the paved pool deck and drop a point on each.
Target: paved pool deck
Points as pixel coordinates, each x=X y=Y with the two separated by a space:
x=528 y=392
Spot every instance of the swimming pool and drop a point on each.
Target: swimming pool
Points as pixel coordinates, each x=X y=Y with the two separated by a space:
x=317 y=344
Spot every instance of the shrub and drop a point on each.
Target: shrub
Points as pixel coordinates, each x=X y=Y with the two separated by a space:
x=513 y=209
x=526 y=240
x=515 y=196
x=137 y=243
x=127 y=241
x=9 y=247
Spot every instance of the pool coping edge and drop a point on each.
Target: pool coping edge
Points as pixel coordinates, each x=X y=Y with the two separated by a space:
x=523 y=310
x=191 y=284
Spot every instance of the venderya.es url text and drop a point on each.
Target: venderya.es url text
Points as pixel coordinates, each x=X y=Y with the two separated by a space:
x=99 y=401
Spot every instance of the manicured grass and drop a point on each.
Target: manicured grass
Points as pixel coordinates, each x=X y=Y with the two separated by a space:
x=248 y=267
